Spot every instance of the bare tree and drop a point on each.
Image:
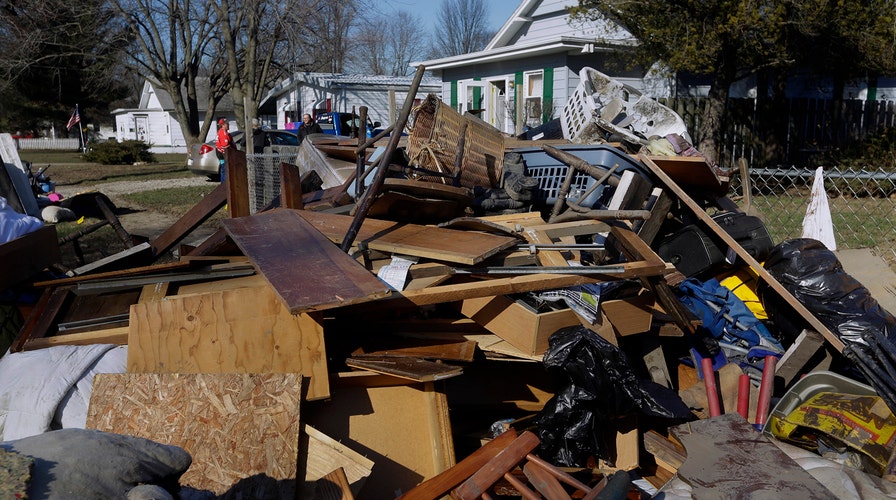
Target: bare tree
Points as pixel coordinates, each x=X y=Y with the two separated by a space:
x=172 y=43
x=387 y=44
x=252 y=33
x=326 y=30
x=405 y=42
x=462 y=27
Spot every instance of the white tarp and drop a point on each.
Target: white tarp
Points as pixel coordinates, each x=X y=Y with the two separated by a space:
x=34 y=384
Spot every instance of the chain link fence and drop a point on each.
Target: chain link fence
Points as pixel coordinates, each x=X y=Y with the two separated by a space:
x=862 y=205
x=862 y=202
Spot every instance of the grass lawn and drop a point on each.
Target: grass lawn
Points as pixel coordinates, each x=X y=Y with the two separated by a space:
x=67 y=168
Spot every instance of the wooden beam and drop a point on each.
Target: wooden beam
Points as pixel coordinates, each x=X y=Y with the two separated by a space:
x=742 y=253
x=118 y=335
x=237 y=183
x=190 y=221
x=290 y=186
x=524 y=283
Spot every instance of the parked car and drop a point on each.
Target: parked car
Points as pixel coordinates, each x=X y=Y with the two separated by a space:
x=204 y=161
x=337 y=123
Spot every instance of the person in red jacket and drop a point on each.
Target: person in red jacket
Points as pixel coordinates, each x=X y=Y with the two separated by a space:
x=223 y=142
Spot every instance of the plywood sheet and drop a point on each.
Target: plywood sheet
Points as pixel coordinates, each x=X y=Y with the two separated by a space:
x=320 y=454
x=233 y=425
x=404 y=429
x=447 y=245
x=244 y=330
x=308 y=271
x=727 y=458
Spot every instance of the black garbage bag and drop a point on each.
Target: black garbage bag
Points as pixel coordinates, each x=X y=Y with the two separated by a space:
x=601 y=386
x=815 y=277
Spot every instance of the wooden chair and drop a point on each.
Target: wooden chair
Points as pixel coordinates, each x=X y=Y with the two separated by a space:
x=475 y=476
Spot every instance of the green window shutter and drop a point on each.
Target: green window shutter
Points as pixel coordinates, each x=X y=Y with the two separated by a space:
x=547 y=103
x=477 y=96
x=454 y=94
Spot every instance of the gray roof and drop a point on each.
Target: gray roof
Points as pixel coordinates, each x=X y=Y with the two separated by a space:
x=202 y=90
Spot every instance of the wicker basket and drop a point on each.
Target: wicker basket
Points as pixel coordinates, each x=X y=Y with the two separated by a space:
x=432 y=145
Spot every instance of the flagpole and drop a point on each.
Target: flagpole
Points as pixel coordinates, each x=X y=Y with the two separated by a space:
x=81 y=130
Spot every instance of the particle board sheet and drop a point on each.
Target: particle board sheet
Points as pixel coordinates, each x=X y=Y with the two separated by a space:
x=235 y=426
x=244 y=330
x=447 y=245
x=308 y=271
x=404 y=429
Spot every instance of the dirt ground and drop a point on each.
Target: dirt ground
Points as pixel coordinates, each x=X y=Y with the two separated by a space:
x=136 y=220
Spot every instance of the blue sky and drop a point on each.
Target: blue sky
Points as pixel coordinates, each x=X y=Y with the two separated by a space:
x=499 y=10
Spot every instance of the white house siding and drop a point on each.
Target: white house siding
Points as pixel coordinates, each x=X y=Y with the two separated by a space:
x=550 y=18
x=303 y=97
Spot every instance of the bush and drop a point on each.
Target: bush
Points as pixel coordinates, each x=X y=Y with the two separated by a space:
x=120 y=153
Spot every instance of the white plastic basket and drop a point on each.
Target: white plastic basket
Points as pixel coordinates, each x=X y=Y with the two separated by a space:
x=577 y=118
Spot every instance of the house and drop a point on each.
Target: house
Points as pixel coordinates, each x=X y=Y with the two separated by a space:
x=154 y=121
x=314 y=93
x=527 y=72
x=537 y=55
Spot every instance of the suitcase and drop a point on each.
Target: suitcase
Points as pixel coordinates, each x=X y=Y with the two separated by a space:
x=693 y=252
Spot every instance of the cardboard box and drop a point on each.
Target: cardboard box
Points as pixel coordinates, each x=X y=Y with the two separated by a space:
x=516 y=322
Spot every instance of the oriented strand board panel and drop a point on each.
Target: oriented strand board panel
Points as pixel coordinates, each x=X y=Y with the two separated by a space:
x=404 y=429
x=447 y=245
x=233 y=425
x=244 y=330
x=306 y=269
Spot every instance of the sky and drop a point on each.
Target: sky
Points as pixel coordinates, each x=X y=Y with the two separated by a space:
x=427 y=10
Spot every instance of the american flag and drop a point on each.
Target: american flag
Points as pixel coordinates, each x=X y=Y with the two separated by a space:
x=73 y=120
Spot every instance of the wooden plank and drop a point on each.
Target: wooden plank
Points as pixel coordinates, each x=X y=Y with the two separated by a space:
x=524 y=283
x=785 y=294
x=118 y=335
x=398 y=345
x=667 y=453
x=44 y=316
x=290 y=186
x=27 y=255
x=416 y=369
x=727 y=457
x=216 y=244
x=138 y=255
x=244 y=330
x=333 y=486
x=194 y=218
x=234 y=426
x=403 y=428
x=320 y=453
x=448 y=245
x=237 y=183
x=692 y=171
x=545 y=257
x=306 y=270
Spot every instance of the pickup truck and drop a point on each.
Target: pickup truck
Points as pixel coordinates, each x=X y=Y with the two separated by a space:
x=337 y=123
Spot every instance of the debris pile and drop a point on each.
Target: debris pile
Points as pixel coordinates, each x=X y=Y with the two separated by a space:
x=488 y=316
